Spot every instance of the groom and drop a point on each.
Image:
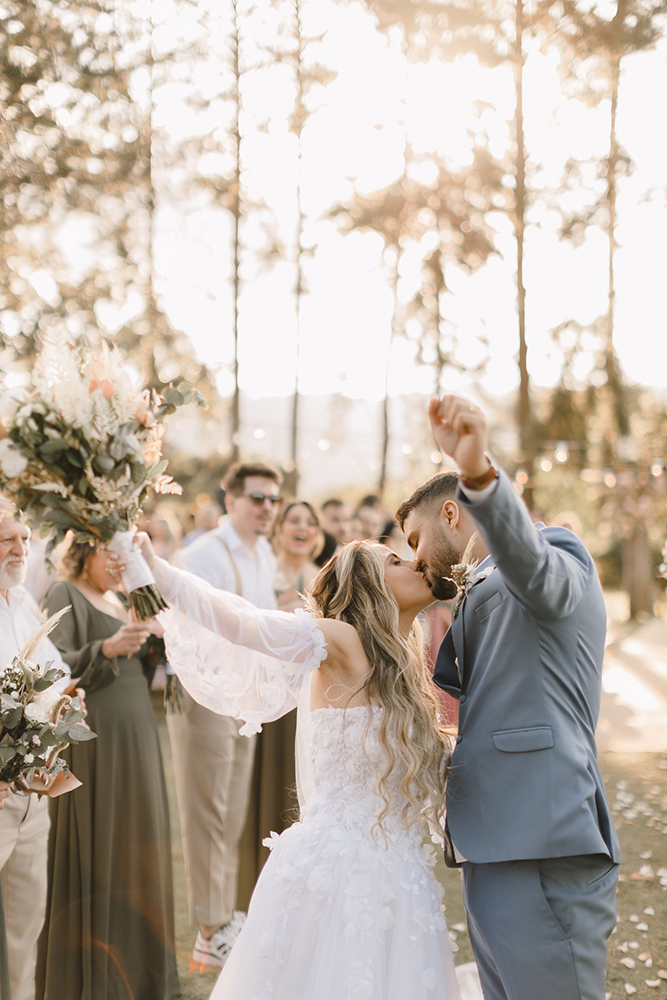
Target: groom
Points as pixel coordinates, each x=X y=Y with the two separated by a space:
x=526 y=808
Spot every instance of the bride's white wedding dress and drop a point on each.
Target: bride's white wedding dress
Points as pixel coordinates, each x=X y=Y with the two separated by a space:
x=339 y=911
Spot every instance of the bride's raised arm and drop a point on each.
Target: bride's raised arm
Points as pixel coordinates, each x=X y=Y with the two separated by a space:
x=232 y=657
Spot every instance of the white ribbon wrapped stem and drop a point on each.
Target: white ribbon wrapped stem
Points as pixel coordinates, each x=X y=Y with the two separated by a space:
x=137 y=572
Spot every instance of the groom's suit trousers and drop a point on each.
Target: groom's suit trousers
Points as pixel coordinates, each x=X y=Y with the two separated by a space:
x=539 y=928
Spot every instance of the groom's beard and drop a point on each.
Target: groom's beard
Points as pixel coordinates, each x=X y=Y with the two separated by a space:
x=438 y=566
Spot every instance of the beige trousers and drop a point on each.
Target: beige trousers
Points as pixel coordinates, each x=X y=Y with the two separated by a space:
x=213 y=769
x=24 y=831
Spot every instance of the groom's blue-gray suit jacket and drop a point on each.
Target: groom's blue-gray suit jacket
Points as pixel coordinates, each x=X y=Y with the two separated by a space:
x=524 y=658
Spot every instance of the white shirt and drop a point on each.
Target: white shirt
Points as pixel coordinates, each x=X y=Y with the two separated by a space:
x=208 y=558
x=19 y=618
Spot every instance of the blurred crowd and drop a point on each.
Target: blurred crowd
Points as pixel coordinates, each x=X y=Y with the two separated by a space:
x=101 y=901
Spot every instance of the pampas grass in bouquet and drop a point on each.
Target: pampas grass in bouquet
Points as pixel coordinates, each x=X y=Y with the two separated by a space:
x=82 y=448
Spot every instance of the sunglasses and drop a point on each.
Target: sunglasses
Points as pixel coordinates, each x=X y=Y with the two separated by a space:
x=259 y=498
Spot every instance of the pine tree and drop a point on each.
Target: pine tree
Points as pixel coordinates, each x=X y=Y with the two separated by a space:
x=592 y=49
x=78 y=157
x=453 y=207
x=495 y=33
x=295 y=50
x=69 y=144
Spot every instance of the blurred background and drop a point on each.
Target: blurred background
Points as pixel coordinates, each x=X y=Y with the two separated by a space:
x=321 y=213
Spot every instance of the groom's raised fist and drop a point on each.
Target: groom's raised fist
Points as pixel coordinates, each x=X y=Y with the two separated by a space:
x=460 y=431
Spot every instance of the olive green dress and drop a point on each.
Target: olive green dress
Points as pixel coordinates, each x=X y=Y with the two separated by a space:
x=109 y=930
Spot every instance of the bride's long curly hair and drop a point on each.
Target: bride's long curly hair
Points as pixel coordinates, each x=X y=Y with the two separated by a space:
x=351 y=587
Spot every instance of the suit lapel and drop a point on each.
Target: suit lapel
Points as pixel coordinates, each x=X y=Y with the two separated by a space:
x=458 y=640
x=458 y=626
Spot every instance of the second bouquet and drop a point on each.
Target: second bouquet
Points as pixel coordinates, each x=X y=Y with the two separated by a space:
x=81 y=450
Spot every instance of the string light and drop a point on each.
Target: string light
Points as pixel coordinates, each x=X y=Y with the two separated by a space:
x=562 y=452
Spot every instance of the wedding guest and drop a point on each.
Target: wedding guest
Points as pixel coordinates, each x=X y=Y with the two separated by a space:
x=164 y=531
x=4 y=956
x=335 y=518
x=327 y=547
x=212 y=762
x=24 y=819
x=109 y=930
x=204 y=518
x=392 y=536
x=272 y=805
x=368 y=522
x=295 y=539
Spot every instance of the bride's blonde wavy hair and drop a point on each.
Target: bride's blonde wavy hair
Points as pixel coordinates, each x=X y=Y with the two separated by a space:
x=351 y=587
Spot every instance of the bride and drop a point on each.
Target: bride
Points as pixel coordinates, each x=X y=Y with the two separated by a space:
x=347 y=907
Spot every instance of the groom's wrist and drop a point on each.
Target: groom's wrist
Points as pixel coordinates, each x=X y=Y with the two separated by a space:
x=482 y=479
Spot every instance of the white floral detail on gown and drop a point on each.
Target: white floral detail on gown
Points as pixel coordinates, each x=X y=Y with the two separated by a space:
x=338 y=912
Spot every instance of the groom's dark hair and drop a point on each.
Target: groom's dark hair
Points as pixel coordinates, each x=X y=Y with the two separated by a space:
x=432 y=493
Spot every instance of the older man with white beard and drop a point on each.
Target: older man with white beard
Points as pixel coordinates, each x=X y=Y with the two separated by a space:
x=24 y=819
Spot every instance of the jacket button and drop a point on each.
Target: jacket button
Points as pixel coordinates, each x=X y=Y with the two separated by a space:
x=462 y=698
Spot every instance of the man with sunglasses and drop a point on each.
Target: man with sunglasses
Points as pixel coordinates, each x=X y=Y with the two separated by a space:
x=212 y=762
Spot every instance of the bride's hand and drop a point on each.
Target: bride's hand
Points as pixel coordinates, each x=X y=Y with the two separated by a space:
x=142 y=541
x=460 y=432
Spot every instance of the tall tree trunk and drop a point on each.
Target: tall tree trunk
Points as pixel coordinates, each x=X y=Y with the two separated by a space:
x=524 y=416
x=386 y=433
x=614 y=383
x=638 y=572
x=236 y=211
x=292 y=479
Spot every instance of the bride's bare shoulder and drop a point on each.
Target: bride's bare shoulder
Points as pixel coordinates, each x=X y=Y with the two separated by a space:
x=343 y=642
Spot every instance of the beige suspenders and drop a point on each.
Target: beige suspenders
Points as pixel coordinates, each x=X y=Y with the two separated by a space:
x=237 y=575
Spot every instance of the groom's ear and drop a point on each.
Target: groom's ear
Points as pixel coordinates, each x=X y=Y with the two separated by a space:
x=450 y=513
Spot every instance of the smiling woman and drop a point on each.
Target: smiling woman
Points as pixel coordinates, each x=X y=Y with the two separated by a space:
x=109 y=928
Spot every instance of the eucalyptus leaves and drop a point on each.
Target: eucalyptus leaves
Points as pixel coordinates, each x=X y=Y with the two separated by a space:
x=36 y=720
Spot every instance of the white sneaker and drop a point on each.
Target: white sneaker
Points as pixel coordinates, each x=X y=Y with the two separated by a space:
x=214 y=951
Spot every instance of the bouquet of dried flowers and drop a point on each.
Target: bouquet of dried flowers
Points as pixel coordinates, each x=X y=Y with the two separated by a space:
x=80 y=451
x=36 y=720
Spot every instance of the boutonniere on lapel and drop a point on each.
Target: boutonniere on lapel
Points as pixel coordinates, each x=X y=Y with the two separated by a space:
x=464 y=574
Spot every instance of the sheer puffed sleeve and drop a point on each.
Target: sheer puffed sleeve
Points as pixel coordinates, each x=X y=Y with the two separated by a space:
x=232 y=657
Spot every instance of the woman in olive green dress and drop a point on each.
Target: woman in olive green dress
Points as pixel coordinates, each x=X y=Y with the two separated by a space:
x=109 y=930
